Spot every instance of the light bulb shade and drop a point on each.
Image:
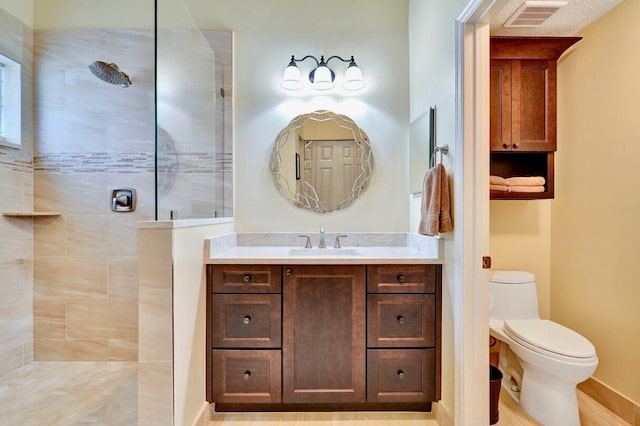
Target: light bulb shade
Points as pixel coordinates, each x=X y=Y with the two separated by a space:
x=322 y=78
x=291 y=79
x=353 y=78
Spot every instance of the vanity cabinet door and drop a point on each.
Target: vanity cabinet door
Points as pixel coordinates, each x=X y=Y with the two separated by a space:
x=241 y=376
x=323 y=346
x=401 y=320
x=247 y=278
x=402 y=278
x=246 y=320
x=401 y=375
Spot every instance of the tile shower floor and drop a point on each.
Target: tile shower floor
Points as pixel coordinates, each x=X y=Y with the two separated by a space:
x=70 y=393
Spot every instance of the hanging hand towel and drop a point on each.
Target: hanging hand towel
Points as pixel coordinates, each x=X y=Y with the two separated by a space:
x=436 y=205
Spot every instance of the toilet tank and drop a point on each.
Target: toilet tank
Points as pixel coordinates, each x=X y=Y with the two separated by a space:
x=512 y=295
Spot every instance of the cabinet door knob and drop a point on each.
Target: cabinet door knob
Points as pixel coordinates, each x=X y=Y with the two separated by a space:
x=246 y=278
x=400 y=374
x=516 y=145
x=288 y=271
x=400 y=278
x=247 y=375
x=246 y=320
x=506 y=145
x=400 y=319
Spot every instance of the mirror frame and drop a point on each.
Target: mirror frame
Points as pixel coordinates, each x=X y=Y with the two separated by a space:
x=361 y=181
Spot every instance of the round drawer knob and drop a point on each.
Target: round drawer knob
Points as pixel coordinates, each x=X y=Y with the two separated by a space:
x=516 y=145
x=246 y=320
x=247 y=278
x=400 y=374
x=400 y=319
x=401 y=278
x=506 y=145
x=247 y=375
x=288 y=271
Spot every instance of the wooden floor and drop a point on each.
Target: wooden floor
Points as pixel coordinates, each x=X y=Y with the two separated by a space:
x=591 y=414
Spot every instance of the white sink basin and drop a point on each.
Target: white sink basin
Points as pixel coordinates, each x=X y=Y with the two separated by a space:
x=324 y=252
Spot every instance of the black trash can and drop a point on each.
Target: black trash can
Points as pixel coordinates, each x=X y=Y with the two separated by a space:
x=495 y=381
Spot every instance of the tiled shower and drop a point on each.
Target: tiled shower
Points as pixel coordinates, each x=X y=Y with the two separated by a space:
x=68 y=283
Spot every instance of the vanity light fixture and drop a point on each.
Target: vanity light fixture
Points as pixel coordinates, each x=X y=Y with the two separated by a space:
x=322 y=77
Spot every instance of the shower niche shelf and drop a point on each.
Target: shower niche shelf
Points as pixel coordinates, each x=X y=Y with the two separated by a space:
x=31 y=214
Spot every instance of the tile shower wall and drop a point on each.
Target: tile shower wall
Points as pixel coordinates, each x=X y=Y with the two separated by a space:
x=16 y=194
x=91 y=137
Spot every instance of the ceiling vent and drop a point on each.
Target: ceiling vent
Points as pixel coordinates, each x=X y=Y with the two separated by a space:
x=534 y=13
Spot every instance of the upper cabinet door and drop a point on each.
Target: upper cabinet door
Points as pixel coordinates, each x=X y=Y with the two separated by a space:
x=500 y=122
x=523 y=105
x=533 y=105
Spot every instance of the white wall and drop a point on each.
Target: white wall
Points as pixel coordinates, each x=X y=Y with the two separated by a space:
x=432 y=82
x=377 y=36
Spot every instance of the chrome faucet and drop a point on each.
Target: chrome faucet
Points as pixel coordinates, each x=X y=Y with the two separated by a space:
x=322 y=244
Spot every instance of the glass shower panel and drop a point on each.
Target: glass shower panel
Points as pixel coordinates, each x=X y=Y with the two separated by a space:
x=194 y=120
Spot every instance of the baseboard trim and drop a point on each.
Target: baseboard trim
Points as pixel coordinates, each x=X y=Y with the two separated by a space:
x=443 y=417
x=613 y=401
x=204 y=416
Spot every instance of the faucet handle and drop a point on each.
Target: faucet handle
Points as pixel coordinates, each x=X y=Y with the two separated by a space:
x=308 y=244
x=337 y=243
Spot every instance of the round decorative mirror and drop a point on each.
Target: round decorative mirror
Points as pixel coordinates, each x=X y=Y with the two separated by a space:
x=322 y=161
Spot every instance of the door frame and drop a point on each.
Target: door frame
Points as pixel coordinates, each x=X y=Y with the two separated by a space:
x=471 y=195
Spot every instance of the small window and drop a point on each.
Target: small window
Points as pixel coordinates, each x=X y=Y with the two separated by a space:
x=10 y=102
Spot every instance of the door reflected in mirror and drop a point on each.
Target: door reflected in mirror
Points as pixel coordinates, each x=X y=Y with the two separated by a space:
x=322 y=161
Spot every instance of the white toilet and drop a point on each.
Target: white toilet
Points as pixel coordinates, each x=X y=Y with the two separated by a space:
x=554 y=358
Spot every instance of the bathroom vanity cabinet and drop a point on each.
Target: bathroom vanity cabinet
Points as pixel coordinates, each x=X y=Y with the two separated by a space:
x=323 y=337
x=523 y=92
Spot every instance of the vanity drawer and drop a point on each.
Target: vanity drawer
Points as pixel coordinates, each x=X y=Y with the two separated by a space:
x=401 y=375
x=247 y=320
x=246 y=376
x=401 y=320
x=402 y=278
x=247 y=278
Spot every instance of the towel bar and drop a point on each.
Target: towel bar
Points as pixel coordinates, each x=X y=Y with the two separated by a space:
x=444 y=149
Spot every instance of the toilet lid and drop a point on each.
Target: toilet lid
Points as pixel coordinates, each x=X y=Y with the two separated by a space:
x=512 y=277
x=549 y=337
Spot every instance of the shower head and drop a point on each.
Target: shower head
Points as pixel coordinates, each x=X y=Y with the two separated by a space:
x=109 y=73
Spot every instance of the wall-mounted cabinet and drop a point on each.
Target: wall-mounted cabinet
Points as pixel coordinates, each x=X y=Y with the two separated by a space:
x=523 y=109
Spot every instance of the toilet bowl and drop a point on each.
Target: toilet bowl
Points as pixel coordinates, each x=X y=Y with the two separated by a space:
x=554 y=358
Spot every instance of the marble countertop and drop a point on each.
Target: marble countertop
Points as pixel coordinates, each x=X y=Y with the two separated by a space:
x=393 y=249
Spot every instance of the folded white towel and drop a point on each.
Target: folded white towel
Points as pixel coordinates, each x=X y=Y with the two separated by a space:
x=497 y=180
x=525 y=181
x=503 y=188
x=524 y=188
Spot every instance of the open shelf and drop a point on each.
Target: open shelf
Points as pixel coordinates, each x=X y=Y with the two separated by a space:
x=31 y=214
x=511 y=164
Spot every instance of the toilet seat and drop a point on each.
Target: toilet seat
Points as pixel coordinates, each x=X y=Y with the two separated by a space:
x=550 y=339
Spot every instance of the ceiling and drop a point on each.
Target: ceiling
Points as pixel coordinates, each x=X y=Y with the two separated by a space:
x=568 y=20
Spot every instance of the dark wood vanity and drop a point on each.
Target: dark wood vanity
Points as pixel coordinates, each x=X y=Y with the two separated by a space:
x=323 y=337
